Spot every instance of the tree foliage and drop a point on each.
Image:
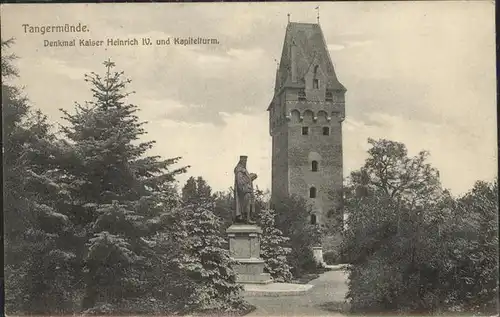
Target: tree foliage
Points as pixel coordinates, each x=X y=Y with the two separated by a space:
x=224 y=206
x=86 y=215
x=413 y=247
x=38 y=266
x=196 y=190
x=292 y=218
x=205 y=260
x=409 y=181
x=113 y=183
x=474 y=248
x=274 y=246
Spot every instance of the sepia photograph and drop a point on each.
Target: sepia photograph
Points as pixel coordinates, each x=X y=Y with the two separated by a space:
x=250 y=159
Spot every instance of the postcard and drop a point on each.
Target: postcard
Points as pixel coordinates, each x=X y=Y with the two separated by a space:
x=260 y=159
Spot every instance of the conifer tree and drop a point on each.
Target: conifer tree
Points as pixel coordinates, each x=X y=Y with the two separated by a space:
x=38 y=267
x=205 y=259
x=196 y=190
x=274 y=247
x=113 y=184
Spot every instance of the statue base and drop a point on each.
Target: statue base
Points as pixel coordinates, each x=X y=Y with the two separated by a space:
x=244 y=247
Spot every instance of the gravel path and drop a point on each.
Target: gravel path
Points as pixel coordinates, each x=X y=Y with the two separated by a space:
x=329 y=287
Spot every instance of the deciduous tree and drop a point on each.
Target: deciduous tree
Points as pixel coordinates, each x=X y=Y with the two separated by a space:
x=413 y=247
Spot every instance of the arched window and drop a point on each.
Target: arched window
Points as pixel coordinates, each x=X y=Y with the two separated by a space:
x=314 y=166
x=312 y=192
x=295 y=116
x=315 y=71
x=313 y=219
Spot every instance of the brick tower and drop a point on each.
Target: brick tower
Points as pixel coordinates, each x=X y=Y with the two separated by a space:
x=305 y=122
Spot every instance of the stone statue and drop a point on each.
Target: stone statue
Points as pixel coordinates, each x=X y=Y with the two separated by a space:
x=243 y=193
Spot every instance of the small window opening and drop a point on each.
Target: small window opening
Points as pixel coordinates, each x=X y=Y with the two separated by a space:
x=329 y=96
x=326 y=131
x=305 y=130
x=312 y=192
x=314 y=166
x=313 y=219
x=302 y=95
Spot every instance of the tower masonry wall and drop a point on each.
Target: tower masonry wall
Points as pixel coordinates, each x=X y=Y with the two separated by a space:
x=294 y=152
x=326 y=150
x=279 y=184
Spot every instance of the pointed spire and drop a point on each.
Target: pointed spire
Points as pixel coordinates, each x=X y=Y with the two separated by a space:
x=304 y=46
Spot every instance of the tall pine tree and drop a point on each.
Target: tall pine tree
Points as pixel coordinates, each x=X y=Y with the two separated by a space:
x=38 y=267
x=113 y=184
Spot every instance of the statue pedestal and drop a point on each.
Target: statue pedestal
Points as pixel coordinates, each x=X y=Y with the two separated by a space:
x=244 y=247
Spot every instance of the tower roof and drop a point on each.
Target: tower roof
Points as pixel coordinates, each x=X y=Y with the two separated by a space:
x=309 y=49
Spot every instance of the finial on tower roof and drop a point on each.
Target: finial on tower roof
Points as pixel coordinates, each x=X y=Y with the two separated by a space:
x=288 y=15
x=317 y=17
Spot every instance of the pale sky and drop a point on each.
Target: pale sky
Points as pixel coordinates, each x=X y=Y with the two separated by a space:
x=422 y=73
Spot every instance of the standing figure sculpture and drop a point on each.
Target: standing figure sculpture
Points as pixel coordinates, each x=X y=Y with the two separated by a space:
x=243 y=193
